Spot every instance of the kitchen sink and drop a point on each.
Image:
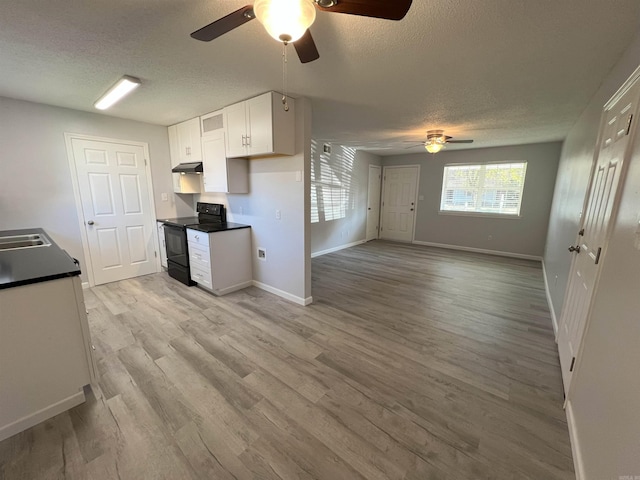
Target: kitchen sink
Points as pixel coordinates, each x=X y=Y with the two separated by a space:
x=14 y=242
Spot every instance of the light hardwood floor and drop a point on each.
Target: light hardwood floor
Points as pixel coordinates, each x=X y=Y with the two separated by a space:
x=413 y=363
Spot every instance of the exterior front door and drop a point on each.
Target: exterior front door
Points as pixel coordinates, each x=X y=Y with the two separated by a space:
x=599 y=207
x=119 y=222
x=398 y=206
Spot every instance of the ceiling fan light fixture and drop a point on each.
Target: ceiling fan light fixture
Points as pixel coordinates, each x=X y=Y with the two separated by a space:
x=285 y=20
x=433 y=146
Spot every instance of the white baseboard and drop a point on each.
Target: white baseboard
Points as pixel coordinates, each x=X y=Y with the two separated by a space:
x=578 y=466
x=554 y=319
x=85 y=285
x=335 y=249
x=479 y=250
x=41 y=415
x=283 y=294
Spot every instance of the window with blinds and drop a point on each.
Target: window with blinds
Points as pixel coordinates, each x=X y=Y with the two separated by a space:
x=331 y=187
x=492 y=188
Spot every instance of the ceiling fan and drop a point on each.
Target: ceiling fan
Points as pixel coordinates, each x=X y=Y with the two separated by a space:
x=436 y=141
x=288 y=21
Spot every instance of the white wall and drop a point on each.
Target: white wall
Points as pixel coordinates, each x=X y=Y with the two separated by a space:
x=35 y=179
x=330 y=235
x=523 y=236
x=605 y=388
x=278 y=183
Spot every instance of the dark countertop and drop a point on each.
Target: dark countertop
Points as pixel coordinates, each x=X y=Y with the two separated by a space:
x=217 y=227
x=36 y=264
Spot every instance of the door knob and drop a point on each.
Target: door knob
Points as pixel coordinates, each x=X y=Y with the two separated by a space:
x=412 y=209
x=90 y=222
x=574 y=249
x=369 y=208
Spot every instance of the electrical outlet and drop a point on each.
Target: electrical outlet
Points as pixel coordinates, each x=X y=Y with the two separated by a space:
x=278 y=215
x=262 y=254
x=241 y=210
x=555 y=282
x=490 y=237
x=165 y=197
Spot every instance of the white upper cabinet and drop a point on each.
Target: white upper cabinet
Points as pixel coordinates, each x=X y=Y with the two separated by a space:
x=185 y=147
x=236 y=129
x=189 y=141
x=260 y=126
x=221 y=174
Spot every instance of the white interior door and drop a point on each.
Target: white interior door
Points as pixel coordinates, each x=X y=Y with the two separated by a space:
x=118 y=219
x=400 y=185
x=373 y=202
x=599 y=207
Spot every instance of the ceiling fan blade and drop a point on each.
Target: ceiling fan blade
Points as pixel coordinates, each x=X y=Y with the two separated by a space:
x=224 y=24
x=459 y=141
x=387 y=9
x=306 y=48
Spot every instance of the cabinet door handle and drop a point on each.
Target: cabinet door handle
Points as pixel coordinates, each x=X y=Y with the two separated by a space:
x=248 y=141
x=244 y=140
x=197 y=237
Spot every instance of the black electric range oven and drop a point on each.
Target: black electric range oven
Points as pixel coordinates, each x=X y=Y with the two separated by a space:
x=175 y=234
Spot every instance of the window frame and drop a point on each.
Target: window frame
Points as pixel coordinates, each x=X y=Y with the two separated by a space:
x=480 y=189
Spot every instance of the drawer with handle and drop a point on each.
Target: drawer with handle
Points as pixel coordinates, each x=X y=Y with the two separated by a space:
x=201 y=277
x=199 y=256
x=197 y=237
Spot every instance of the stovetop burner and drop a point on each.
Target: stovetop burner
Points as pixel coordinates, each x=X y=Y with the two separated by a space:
x=181 y=221
x=208 y=213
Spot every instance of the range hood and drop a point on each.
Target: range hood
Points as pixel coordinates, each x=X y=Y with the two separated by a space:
x=193 y=167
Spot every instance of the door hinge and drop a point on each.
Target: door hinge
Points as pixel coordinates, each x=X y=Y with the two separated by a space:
x=581 y=232
x=155 y=254
x=629 y=123
x=573 y=362
x=145 y=162
x=598 y=255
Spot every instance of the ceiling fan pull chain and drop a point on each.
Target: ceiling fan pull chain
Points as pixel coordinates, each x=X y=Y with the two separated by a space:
x=285 y=104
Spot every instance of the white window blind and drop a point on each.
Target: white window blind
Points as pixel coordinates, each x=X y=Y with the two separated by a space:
x=331 y=188
x=494 y=188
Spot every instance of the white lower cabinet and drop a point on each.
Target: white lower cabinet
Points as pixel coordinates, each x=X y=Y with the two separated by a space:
x=163 y=245
x=46 y=355
x=220 y=262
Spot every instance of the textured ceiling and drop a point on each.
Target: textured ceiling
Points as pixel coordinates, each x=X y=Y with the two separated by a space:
x=500 y=71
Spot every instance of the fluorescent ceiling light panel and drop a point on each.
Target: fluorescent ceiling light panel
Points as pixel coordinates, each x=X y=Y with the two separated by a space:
x=125 y=85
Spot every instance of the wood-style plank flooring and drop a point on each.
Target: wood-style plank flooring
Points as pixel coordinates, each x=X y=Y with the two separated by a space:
x=413 y=363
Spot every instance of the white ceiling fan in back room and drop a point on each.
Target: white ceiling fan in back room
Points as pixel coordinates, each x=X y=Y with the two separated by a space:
x=436 y=141
x=288 y=21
